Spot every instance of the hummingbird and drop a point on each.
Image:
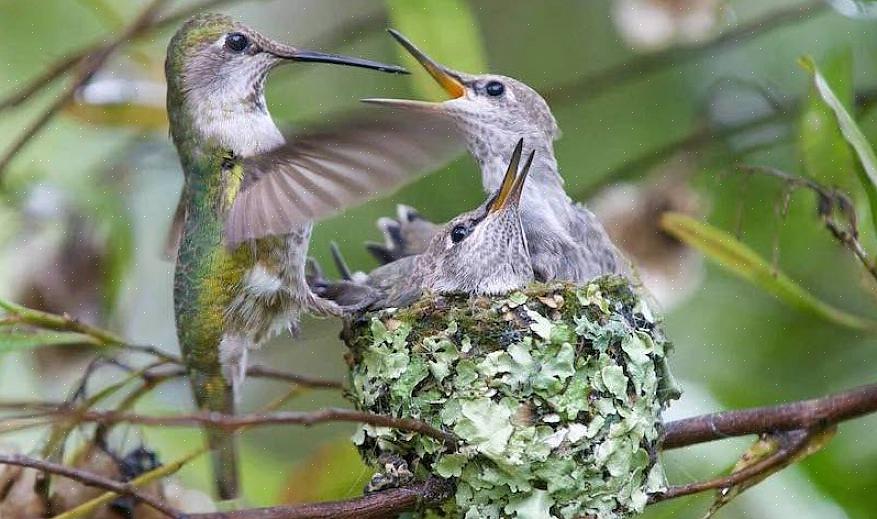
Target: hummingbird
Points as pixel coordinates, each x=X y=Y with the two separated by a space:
x=480 y=252
x=492 y=112
x=249 y=198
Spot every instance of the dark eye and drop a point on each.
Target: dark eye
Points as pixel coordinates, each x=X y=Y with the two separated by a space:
x=495 y=88
x=236 y=42
x=458 y=233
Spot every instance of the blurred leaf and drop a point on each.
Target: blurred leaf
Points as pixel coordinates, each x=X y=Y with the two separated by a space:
x=334 y=471
x=763 y=448
x=738 y=258
x=129 y=115
x=826 y=154
x=15 y=339
x=447 y=31
x=108 y=211
x=88 y=508
x=851 y=132
x=855 y=8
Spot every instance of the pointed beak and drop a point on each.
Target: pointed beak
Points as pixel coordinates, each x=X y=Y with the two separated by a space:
x=287 y=52
x=509 y=194
x=448 y=80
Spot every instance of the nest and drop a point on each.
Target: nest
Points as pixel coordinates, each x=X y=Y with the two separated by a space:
x=555 y=394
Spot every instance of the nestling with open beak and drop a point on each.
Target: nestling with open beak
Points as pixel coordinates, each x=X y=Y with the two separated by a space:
x=480 y=252
x=244 y=218
x=493 y=112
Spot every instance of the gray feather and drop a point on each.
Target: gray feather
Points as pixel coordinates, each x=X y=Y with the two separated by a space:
x=321 y=173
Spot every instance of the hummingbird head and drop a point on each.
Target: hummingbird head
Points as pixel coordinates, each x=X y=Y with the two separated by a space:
x=484 y=251
x=216 y=70
x=491 y=111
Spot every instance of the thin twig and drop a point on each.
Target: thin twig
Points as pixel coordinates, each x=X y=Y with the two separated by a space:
x=700 y=138
x=62 y=323
x=608 y=80
x=88 y=478
x=301 y=380
x=806 y=414
x=829 y=200
x=794 y=444
x=68 y=62
x=236 y=422
x=85 y=69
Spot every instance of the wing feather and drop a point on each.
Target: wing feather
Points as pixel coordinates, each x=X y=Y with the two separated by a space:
x=321 y=173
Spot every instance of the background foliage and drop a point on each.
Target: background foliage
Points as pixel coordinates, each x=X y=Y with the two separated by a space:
x=113 y=168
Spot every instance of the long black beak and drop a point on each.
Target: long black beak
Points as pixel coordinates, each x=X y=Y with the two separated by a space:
x=294 y=54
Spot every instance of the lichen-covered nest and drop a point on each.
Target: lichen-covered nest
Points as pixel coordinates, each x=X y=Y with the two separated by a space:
x=555 y=394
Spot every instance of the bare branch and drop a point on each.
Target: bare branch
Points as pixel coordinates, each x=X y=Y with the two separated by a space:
x=88 y=478
x=85 y=69
x=806 y=414
x=785 y=455
x=236 y=422
x=301 y=380
x=387 y=503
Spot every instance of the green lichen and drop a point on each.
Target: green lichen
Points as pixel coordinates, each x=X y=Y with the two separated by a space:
x=554 y=392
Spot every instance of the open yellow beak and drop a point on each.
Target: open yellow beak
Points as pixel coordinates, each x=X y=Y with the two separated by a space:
x=446 y=79
x=512 y=186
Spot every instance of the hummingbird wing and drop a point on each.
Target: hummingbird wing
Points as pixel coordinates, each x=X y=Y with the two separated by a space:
x=320 y=173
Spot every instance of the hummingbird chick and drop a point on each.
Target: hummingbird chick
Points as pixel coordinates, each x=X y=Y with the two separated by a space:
x=480 y=252
x=567 y=242
x=249 y=198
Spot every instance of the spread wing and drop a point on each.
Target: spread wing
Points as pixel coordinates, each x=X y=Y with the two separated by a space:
x=321 y=173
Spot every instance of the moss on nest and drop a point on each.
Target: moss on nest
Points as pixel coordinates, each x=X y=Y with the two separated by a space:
x=555 y=393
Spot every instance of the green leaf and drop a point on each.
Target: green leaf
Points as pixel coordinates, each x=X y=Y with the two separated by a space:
x=447 y=31
x=826 y=155
x=19 y=339
x=851 y=132
x=741 y=260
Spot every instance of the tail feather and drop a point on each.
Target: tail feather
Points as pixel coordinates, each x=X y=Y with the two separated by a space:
x=224 y=458
x=215 y=394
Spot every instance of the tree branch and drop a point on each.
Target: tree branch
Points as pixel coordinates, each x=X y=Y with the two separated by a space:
x=68 y=62
x=236 y=422
x=88 y=478
x=387 y=503
x=806 y=414
x=85 y=69
x=301 y=380
x=797 y=442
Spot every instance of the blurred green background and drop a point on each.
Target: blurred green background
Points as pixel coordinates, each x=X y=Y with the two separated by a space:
x=684 y=77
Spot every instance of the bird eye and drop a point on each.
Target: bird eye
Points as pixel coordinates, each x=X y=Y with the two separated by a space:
x=495 y=88
x=236 y=42
x=458 y=233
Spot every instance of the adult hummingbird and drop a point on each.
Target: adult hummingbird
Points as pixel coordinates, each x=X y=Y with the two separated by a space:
x=480 y=252
x=492 y=112
x=249 y=197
